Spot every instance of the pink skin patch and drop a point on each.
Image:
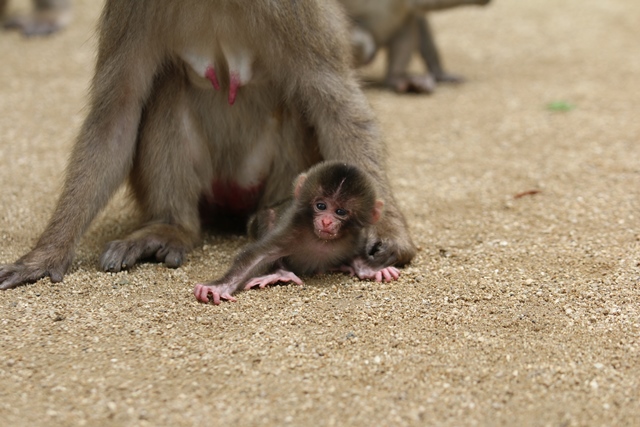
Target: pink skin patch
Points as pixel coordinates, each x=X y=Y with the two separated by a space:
x=230 y=197
x=386 y=274
x=210 y=74
x=325 y=227
x=234 y=85
x=202 y=293
x=235 y=198
x=272 y=279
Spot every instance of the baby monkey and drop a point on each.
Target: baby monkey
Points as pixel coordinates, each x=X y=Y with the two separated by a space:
x=322 y=229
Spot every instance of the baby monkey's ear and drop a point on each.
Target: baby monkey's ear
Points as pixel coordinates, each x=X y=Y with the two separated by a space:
x=300 y=180
x=377 y=211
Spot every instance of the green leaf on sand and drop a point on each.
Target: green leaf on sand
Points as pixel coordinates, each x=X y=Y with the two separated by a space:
x=560 y=106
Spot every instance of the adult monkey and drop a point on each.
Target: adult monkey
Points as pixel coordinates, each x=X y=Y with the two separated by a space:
x=402 y=27
x=166 y=74
x=47 y=17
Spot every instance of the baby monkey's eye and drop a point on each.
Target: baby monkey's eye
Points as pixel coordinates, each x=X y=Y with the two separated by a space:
x=321 y=206
x=341 y=212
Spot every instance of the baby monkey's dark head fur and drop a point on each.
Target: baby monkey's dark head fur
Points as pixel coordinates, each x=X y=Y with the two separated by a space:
x=338 y=197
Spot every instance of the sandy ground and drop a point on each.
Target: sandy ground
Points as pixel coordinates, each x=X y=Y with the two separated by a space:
x=517 y=311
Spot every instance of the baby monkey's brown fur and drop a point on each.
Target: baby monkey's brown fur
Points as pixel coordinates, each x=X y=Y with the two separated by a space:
x=322 y=228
